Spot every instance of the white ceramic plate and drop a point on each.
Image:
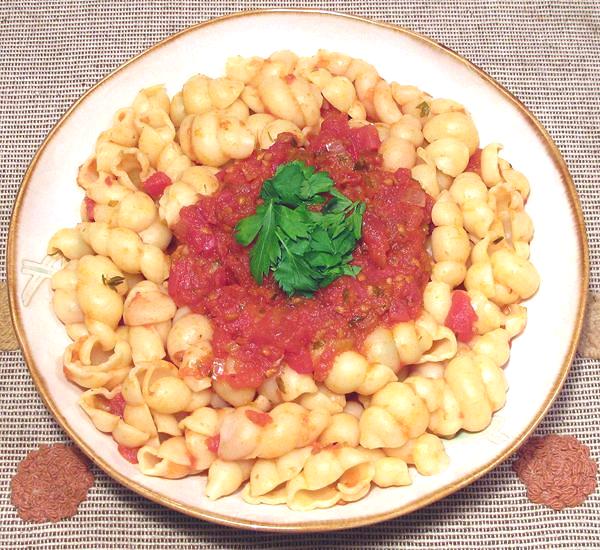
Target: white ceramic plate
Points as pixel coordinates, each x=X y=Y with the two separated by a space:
x=49 y=199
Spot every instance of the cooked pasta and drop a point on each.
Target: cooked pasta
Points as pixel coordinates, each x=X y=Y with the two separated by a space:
x=310 y=397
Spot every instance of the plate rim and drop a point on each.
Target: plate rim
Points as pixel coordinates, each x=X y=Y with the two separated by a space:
x=303 y=526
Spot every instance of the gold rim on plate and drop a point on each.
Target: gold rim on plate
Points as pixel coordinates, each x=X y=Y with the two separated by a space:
x=326 y=525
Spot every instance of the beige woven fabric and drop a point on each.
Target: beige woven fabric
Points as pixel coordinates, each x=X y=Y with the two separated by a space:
x=589 y=345
x=546 y=52
x=8 y=339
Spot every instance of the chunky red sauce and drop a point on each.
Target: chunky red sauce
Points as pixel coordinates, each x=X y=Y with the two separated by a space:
x=258 y=328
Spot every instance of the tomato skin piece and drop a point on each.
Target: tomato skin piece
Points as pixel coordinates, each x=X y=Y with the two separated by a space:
x=156 y=184
x=212 y=443
x=89 y=208
x=128 y=453
x=259 y=418
x=474 y=164
x=116 y=405
x=461 y=317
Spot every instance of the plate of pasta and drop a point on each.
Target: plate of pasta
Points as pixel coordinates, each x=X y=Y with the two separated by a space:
x=288 y=280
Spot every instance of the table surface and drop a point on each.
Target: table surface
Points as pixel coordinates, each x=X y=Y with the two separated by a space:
x=545 y=52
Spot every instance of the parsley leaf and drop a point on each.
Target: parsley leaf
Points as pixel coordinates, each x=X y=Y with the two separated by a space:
x=356 y=220
x=305 y=248
x=295 y=183
x=295 y=223
x=338 y=202
x=249 y=227
x=266 y=249
x=294 y=273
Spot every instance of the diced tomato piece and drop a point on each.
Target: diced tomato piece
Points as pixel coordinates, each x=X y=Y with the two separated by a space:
x=89 y=208
x=335 y=124
x=364 y=139
x=116 y=405
x=413 y=194
x=259 y=418
x=474 y=164
x=461 y=317
x=156 y=184
x=212 y=443
x=129 y=453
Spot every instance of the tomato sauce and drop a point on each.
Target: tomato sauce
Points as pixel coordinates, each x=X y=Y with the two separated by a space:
x=257 y=328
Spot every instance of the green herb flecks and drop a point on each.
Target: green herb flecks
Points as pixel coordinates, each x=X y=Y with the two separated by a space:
x=112 y=282
x=424 y=108
x=306 y=249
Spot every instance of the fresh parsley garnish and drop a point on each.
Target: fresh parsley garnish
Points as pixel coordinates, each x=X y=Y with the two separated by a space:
x=306 y=249
x=112 y=282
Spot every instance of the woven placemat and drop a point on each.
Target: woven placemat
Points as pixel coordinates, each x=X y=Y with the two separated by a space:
x=545 y=52
x=8 y=339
